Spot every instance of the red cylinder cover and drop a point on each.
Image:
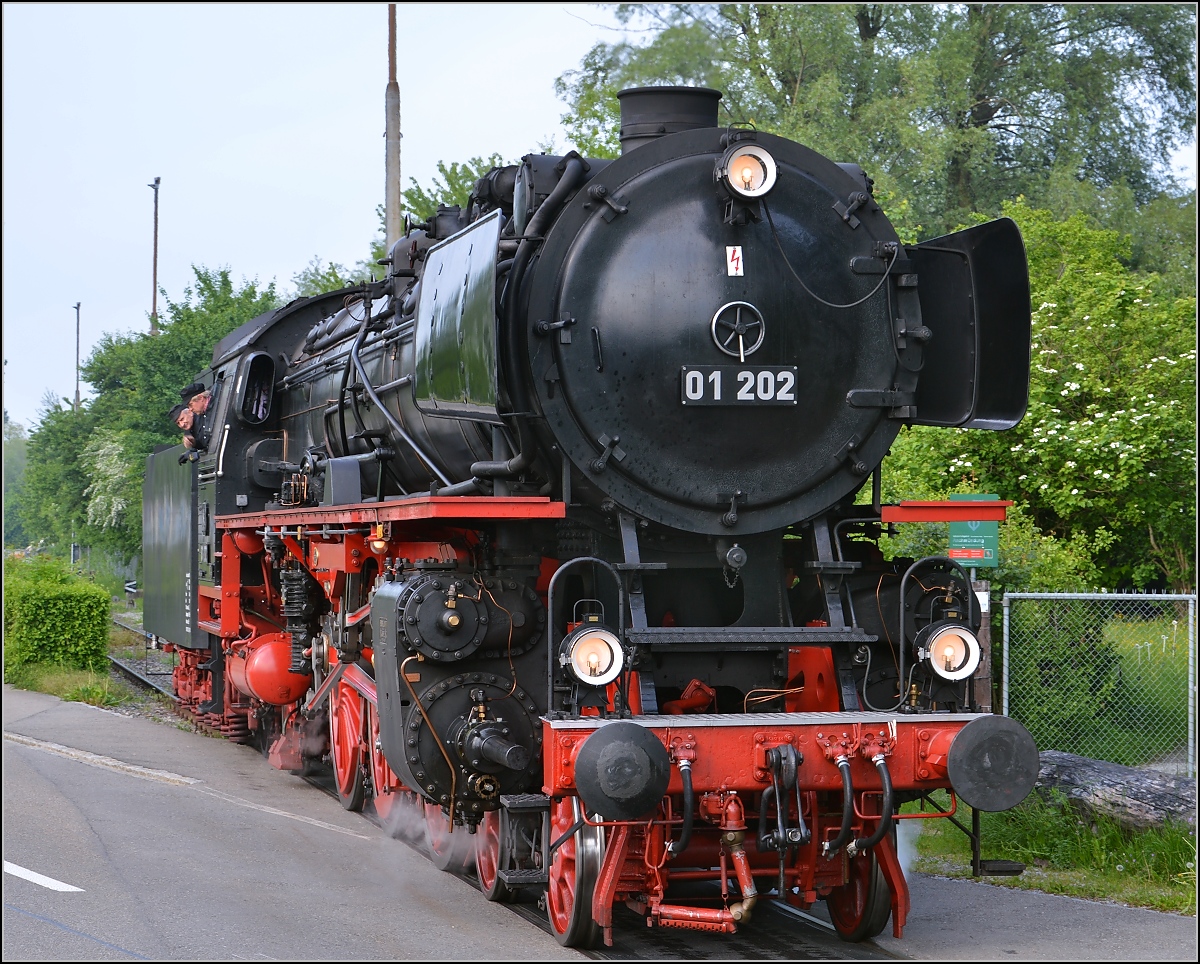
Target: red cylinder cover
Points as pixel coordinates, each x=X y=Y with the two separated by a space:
x=260 y=669
x=248 y=543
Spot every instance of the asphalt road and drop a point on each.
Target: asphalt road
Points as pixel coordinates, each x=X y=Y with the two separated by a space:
x=184 y=847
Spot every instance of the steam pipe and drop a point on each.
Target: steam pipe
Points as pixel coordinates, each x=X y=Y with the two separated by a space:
x=885 y=822
x=740 y=910
x=831 y=847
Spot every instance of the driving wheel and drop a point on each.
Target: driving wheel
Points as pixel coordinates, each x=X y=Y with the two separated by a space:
x=448 y=851
x=489 y=850
x=346 y=745
x=574 y=868
x=394 y=805
x=860 y=908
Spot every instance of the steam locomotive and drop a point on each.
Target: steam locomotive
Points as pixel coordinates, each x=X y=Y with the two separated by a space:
x=561 y=539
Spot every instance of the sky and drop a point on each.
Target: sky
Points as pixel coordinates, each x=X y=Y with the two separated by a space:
x=265 y=123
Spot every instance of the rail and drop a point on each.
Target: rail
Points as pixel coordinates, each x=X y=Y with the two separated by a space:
x=141 y=671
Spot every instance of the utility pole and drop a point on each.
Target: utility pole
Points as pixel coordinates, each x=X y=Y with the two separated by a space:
x=154 y=297
x=77 y=304
x=391 y=191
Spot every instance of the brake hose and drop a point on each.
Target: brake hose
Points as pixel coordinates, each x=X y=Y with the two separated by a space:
x=831 y=847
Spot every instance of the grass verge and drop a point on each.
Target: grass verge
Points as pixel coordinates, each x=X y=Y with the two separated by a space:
x=71 y=684
x=1095 y=859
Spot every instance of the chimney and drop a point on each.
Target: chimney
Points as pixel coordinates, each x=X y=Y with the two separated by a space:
x=648 y=113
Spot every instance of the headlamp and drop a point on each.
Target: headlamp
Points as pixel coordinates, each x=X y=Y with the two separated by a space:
x=748 y=170
x=951 y=650
x=593 y=655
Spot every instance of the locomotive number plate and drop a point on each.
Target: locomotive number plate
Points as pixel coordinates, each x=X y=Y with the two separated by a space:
x=738 y=385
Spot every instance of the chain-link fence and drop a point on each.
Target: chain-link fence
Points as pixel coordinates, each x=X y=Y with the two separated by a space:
x=1111 y=676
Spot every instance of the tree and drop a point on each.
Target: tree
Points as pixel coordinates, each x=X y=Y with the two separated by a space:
x=15 y=447
x=318 y=277
x=1107 y=448
x=953 y=108
x=452 y=185
x=52 y=506
x=137 y=379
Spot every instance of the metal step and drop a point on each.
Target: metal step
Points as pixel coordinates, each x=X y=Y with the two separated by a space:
x=1001 y=868
x=523 y=878
x=524 y=802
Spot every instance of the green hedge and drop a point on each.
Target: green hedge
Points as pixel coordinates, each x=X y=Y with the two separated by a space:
x=52 y=622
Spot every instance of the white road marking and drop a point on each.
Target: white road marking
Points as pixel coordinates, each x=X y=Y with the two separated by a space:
x=104 y=762
x=34 y=878
x=238 y=801
x=166 y=776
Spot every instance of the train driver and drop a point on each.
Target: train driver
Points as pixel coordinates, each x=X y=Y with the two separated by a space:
x=197 y=400
x=183 y=417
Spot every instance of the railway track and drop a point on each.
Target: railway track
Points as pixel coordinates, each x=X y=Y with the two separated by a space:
x=777 y=932
x=152 y=671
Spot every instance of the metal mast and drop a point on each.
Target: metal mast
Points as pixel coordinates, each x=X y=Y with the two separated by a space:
x=391 y=196
x=77 y=304
x=154 y=297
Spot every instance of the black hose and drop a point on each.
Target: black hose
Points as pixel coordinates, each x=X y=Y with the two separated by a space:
x=689 y=802
x=833 y=846
x=885 y=821
x=341 y=402
x=766 y=840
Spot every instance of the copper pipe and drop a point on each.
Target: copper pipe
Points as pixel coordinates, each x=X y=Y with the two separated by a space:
x=429 y=723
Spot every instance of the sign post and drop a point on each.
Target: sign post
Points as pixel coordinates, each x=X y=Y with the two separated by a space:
x=976 y=545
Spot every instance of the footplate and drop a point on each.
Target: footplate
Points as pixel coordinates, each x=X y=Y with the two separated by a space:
x=525 y=802
x=523 y=878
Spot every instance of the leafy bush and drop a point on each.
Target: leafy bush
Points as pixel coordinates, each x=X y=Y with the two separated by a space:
x=52 y=617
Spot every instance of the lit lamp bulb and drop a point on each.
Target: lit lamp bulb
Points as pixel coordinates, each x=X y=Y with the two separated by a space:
x=953 y=651
x=377 y=542
x=594 y=656
x=748 y=170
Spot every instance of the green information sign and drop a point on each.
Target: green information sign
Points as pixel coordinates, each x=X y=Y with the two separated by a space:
x=975 y=545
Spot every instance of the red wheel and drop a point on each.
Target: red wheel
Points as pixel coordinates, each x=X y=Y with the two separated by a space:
x=860 y=908
x=346 y=745
x=448 y=851
x=488 y=841
x=573 y=872
x=389 y=792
